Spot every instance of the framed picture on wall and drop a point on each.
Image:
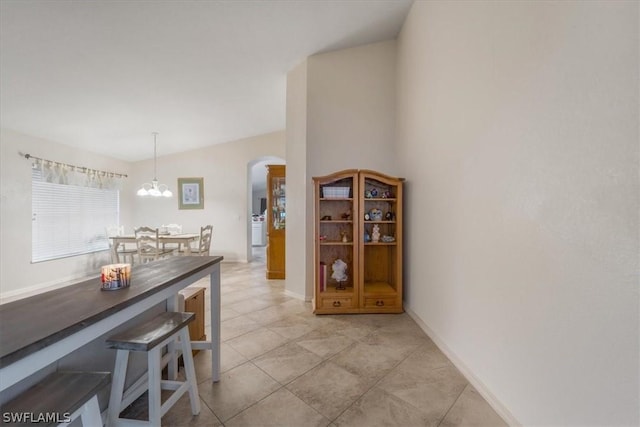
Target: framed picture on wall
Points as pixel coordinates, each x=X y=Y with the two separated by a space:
x=190 y=193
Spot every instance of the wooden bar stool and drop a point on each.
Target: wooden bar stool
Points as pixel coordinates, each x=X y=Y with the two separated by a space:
x=58 y=400
x=151 y=337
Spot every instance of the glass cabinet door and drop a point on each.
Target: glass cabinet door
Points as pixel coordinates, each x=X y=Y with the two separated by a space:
x=278 y=203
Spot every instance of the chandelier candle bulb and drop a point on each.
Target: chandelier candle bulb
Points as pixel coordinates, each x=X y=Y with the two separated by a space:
x=115 y=276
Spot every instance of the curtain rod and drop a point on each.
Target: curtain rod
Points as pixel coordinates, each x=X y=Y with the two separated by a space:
x=78 y=168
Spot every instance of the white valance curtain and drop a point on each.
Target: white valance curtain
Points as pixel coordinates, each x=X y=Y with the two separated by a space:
x=62 y=173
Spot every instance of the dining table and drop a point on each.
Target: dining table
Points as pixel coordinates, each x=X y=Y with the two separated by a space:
x=182 y=239
x=37 y=331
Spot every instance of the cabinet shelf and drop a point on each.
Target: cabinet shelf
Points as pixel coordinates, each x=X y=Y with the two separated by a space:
x=336 y=199
x=379 y=222
x=380 y=199
x=334 y=292
x=335 y=243
x=380 y=243
x=336 y=221
x=375 y=288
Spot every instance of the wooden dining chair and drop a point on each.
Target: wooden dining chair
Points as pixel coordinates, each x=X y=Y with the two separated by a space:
x=125 y=253
x=204 y=243
x=172 y=229
x=148 y=244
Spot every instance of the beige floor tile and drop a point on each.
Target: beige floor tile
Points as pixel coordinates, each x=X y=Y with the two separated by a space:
x=329 y=389
x=237 y=326
x=280 y=409
x=269 y=314
x=378 y=408
x=251 y=304
x=287 y=362
x=226 y=313
x=237 y=389
x=324 y=344
x=229 y=359
x=472 y=410
x=433 y=391
x=405 y=343
x=290 y=327
x=180 y=415
x=369 y=361
x=257 y=342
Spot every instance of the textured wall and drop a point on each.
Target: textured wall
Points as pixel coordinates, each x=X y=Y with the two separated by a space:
x=518 y=135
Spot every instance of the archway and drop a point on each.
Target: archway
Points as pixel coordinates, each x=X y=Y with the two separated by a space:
x=256 y=190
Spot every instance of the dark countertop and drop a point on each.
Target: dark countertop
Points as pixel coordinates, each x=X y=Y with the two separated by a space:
x=30 y=324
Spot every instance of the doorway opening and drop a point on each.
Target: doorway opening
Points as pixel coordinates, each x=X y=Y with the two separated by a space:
x=257 y=207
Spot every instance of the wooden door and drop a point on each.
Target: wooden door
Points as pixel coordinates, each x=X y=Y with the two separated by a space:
x=276 y=221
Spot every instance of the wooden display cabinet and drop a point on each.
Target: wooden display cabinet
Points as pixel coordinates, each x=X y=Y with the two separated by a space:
x=344 y=204
x=276 y=221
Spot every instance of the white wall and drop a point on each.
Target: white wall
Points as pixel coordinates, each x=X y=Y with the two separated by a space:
x=226 y=170
x=17 y=273
x=298 y=253
x=348 y=99
x=518 y=135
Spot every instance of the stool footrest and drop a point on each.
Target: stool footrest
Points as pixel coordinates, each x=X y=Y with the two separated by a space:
x=150 y=334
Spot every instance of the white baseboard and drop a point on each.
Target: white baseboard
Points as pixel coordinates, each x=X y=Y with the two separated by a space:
x=296 y=295
x=497 y=406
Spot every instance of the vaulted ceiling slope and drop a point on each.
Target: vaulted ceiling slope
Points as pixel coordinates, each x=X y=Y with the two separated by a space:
x=103 y=75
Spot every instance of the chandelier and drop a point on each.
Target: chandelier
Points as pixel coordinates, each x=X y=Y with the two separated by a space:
x=154 y=189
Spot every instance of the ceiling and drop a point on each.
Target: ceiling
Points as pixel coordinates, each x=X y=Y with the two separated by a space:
x=104 y=75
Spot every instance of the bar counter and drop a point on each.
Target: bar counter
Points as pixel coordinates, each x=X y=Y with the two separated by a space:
x=39 y=330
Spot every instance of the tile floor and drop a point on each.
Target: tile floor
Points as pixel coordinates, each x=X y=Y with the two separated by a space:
x=284 y=366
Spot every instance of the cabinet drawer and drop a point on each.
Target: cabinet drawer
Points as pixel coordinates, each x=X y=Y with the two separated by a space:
x=382 y=302
x=336 y=303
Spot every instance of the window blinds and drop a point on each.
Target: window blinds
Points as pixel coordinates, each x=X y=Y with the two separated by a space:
x=69 y=220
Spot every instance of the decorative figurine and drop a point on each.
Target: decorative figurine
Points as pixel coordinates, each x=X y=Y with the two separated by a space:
x=347 y=215
x=375 y=214
x=367 y=194
x=375 y=236
x=345 y=239
x=367 y=217
x=326 y=218
x=374 y=192
x=388 y=216
x=367 y=238
x=386 y=194
x=339 y=268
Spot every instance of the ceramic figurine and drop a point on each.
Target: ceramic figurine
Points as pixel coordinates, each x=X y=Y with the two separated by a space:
x=339 y=268
x=374 y=192
x=375 y=236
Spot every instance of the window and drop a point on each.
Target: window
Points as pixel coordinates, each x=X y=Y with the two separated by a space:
x=69 y=220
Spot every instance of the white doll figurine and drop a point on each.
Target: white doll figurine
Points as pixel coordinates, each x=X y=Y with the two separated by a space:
x=339 y=268
x=375 y=235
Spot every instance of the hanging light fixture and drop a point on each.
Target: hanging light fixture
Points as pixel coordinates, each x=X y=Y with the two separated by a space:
x=154 y=189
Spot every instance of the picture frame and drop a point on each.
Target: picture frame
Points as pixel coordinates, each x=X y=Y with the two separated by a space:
x=190 y=193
